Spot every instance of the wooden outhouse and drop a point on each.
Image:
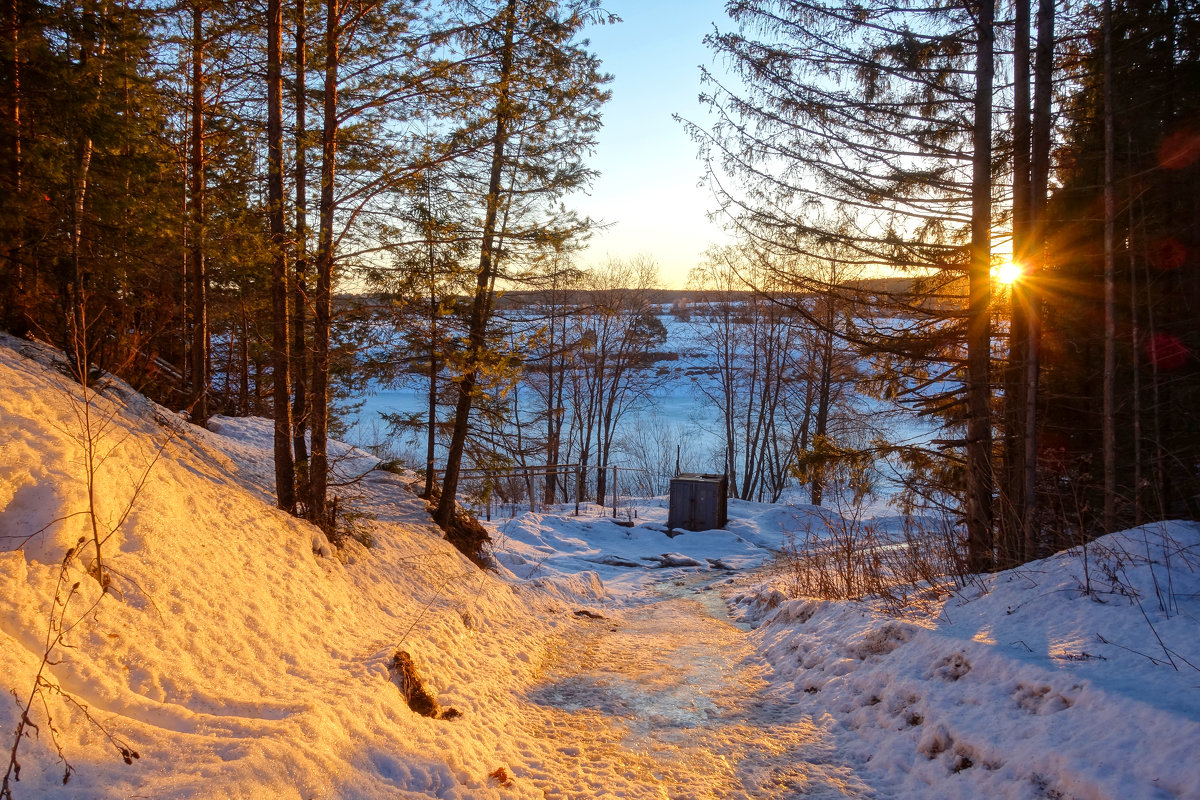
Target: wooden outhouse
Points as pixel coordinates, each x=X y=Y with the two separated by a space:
x=698 y=502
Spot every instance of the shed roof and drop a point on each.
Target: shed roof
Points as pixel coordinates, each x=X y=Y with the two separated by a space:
x=698 y=476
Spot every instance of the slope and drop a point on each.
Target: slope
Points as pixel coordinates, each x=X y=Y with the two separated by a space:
x=235 y=652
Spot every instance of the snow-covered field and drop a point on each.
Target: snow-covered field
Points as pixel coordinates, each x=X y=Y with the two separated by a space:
x=240 y=656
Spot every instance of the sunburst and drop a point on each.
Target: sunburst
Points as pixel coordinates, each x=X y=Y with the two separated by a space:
x=1007 y=272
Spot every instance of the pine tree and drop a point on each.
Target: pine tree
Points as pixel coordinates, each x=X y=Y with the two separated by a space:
x=374 y=74
x=540 y=93
x=300 y=284
x=198 y=357
x=285 y=478
x=860 y=136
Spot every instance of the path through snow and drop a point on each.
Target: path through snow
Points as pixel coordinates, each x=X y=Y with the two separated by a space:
x=664 y=700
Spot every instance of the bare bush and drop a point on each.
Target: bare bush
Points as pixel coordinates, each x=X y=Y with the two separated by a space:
x=95 y=434
x=855 y=558
x=655 y=451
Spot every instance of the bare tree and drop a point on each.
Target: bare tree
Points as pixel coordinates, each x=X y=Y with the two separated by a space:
x=619 y=331
x=766 y=373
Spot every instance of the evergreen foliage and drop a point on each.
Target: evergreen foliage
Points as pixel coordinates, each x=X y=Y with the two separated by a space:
x=860 y=134
x=155 y=203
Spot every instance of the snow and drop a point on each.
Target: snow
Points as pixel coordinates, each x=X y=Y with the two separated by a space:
x=236 y=661
x=1025 y=685
x=243 y=656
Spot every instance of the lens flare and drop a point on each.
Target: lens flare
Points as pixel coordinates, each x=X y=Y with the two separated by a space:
x=1007 y=272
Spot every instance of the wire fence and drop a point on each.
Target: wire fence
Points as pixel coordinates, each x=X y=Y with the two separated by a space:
x=512 y=490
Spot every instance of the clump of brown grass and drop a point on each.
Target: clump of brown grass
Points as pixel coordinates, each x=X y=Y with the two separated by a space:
x=855 y=559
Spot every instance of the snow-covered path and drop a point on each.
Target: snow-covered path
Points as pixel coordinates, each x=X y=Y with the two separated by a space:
x=664 y=700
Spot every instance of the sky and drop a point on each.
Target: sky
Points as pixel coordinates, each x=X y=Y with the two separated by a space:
x=649 y=173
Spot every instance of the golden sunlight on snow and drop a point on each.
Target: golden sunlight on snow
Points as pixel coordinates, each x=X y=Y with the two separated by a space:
x=984 y=636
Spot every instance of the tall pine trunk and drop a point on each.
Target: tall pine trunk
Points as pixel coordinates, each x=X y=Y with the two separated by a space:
x=285 y=477
x=318 y=466
x=12 y=255
x=197 y=272
x=483 y=300
x=1014 y=506
x=1039 y=165
x=299 y=347
x=1109 y=428
x=979 y=478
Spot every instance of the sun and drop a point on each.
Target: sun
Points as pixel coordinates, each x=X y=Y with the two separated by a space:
x=1007 y=273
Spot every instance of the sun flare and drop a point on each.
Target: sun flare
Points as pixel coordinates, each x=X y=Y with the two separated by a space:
x=1008 y=272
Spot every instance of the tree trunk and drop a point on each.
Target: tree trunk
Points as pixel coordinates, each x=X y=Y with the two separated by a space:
x=979 y=479
x=285 y=473
x=431 y=426
x=197 y=269
x=585 y=413
x=12 y=256
x=300 y=301
x=1135 y=369
x=729 y=392
x=79 y=348
x=1013 y=509
x=232 y=346
x=483 y=300
x=1109 y=428
x=244 y=377
x=1039 y=163
x=258 y=383
x=824 y=388
x=318 y=467
x=554 y=381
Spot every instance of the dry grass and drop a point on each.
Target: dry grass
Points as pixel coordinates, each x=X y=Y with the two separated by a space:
x=858 y=559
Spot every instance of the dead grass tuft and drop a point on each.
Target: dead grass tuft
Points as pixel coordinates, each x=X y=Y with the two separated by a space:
x=857 y=559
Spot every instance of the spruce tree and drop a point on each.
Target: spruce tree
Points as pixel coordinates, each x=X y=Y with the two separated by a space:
x=860 y=135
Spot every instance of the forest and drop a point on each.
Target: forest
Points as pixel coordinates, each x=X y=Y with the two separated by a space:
x=247 y=208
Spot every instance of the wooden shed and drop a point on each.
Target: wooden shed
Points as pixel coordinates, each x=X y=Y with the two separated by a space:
x=698 y=502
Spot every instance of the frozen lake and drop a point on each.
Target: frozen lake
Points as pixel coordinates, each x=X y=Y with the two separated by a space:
x=678 y=408
x=674 y=407
x=672 y=418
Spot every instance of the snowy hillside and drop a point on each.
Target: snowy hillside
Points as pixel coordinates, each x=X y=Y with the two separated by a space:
x=235 y=660
x=1026 y=685
x=241 y=656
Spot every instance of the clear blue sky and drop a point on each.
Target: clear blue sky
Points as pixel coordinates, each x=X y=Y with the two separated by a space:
x=648 y=167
